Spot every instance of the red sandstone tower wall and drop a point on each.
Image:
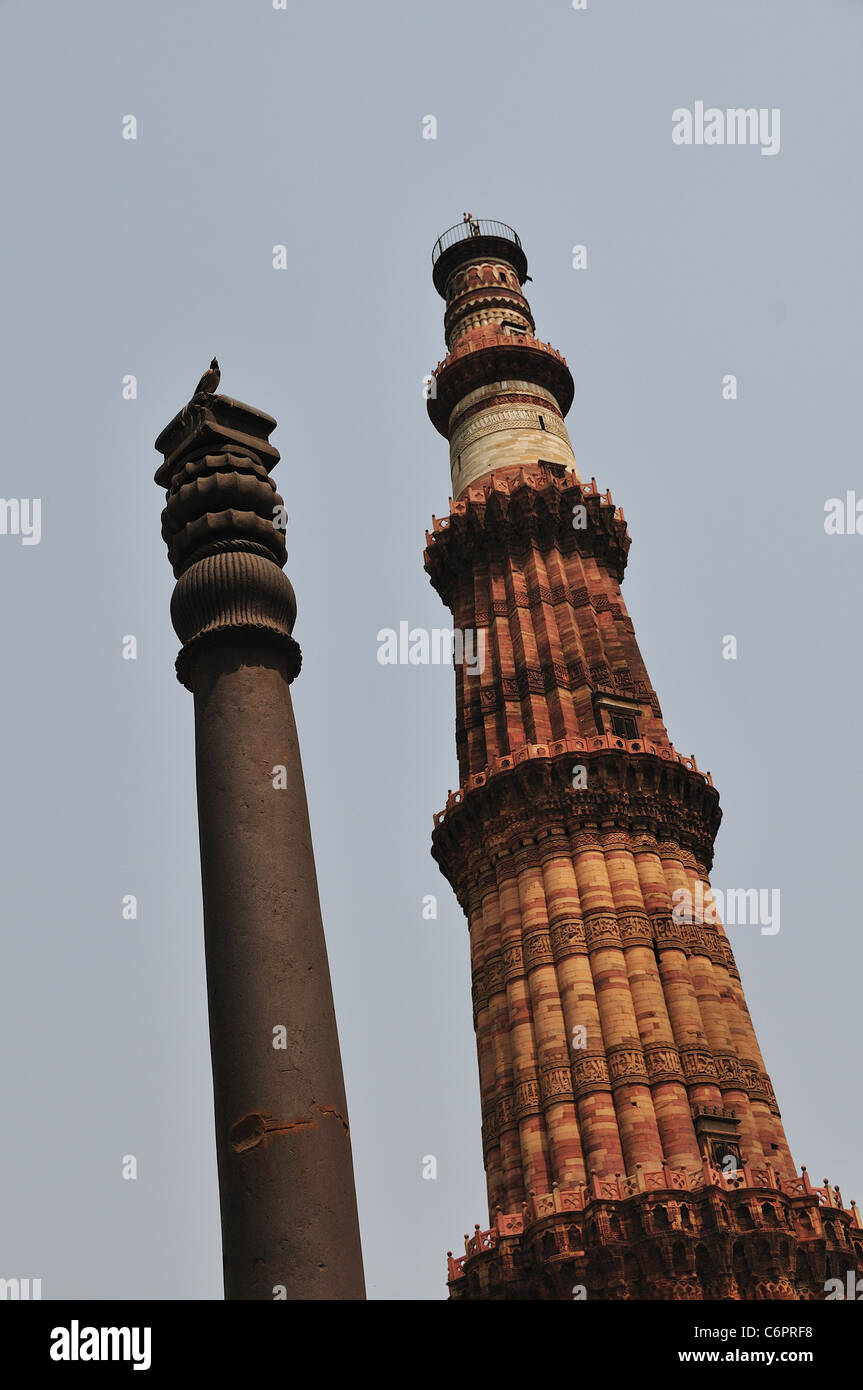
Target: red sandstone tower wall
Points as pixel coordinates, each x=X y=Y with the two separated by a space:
x=632 y=1140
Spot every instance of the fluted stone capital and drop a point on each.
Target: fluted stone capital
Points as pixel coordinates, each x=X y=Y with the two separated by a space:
x=218 y=525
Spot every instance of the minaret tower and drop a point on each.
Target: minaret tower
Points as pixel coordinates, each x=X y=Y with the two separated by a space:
x=632 y=1142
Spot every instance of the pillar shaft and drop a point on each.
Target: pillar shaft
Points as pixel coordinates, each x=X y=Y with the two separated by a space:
x=289 y=1219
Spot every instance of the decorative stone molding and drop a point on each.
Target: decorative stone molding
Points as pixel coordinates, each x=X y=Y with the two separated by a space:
x=505 y=1114
x=537 y=949
x=698 y=1064
x=513 y=962
x=662 y=1062
x=626 y=1064
x=527 y=1098
x=590 y=1073
x=487 y=354
x=217 y=523
x=695 y=1223
x=556 y=1084
x=513 y=514
x=635 y=929
x=601 y=929
x=568 y=938
x=506 y=418
x=496 y=813
x=729 y=1070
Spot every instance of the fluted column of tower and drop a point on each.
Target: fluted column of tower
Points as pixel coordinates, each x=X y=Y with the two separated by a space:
x=289 y=1219
x=613 y=1037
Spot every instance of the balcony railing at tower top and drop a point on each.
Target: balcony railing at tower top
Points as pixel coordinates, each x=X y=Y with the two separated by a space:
x=474 y=226
x=540 y=1207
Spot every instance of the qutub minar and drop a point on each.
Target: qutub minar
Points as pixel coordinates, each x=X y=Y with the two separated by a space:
x=632 y=1141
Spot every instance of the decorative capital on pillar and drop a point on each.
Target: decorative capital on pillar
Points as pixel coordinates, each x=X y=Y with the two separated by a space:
x=220 y=527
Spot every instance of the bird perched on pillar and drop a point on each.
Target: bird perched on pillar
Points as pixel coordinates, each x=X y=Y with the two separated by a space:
x=210 y=380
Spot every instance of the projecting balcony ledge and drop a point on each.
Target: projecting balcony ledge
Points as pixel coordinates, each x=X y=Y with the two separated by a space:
x=596 y=743
x=488 y=337
x=485 y=355
x=527 y=475
x=507 y=508
x=671 y=1181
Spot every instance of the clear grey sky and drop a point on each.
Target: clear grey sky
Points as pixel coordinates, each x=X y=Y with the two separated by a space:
x=303 y=127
